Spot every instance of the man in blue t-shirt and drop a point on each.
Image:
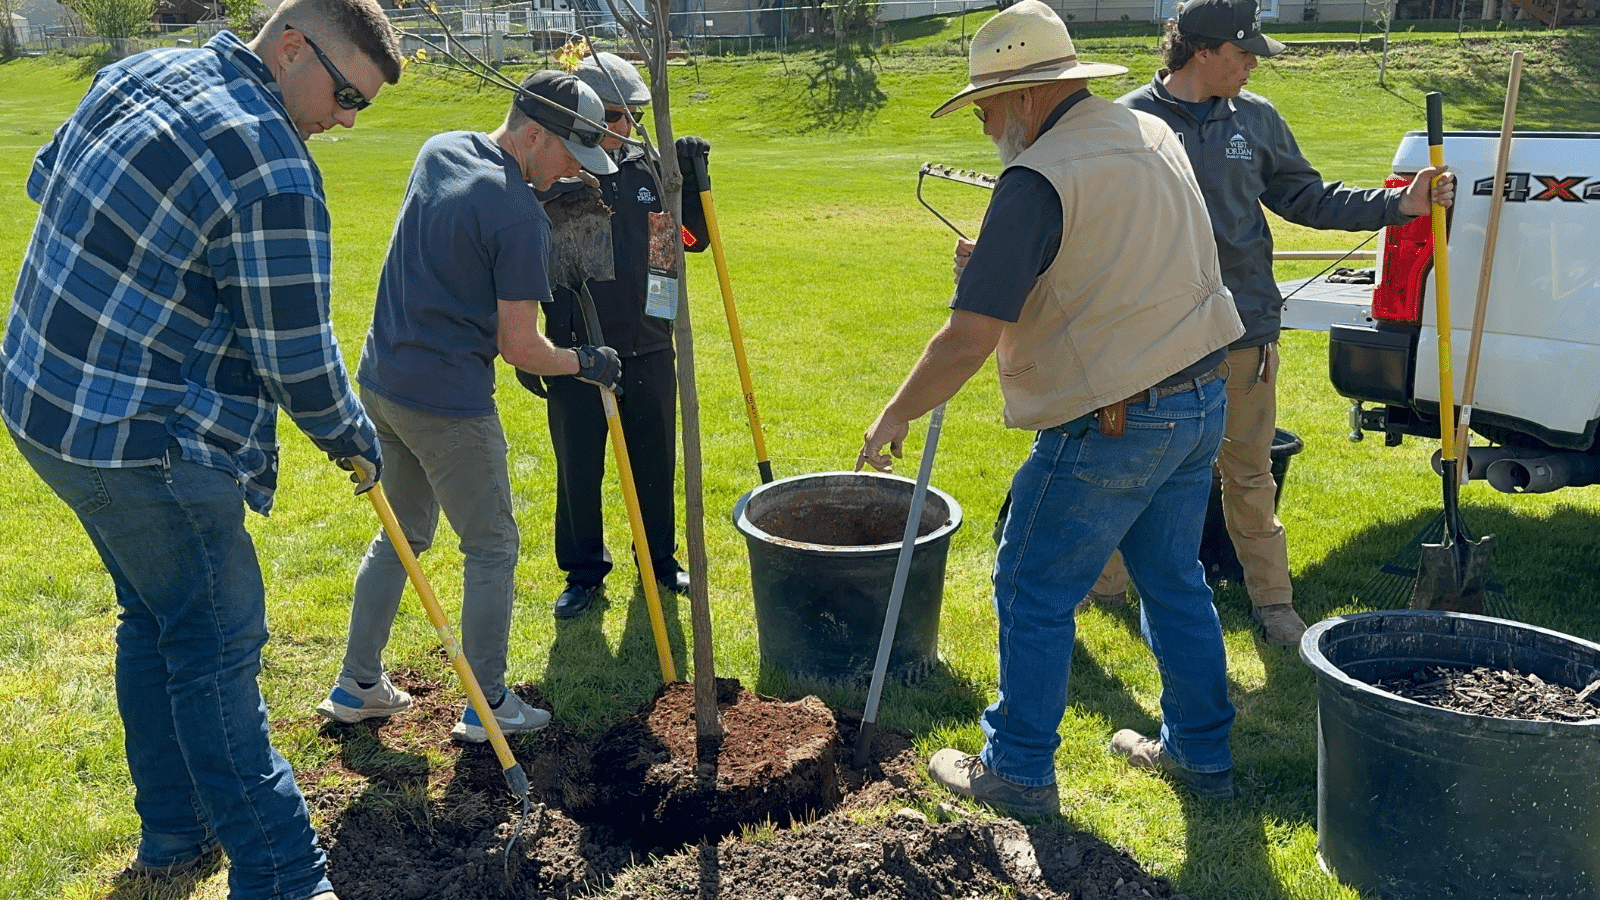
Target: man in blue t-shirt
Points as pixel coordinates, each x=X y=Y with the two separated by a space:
x=462 y=284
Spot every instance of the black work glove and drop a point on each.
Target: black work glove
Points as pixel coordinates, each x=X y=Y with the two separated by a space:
x=599 y=366
x=693 y=154
x=534 y=383
x=364 y=468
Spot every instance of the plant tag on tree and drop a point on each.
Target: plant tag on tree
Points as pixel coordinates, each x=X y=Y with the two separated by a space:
x=661 y=297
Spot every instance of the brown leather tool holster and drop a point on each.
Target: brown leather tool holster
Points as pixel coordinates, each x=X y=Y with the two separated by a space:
x=1113 y=418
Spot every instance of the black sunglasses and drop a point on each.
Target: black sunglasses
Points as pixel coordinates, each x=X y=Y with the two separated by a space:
x=344 y=93
x=613 y=116
x=586 y=138
x=978 y=111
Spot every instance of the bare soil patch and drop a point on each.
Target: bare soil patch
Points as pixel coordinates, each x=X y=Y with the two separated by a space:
x=773 y=811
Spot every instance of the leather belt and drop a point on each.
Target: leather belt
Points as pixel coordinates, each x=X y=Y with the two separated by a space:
x=1113 y=418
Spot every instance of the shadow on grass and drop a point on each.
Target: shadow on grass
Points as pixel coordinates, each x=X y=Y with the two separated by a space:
x=130 y=887
x=841 y=95
x=943 y=698
x=584 y=673
x=362 y=751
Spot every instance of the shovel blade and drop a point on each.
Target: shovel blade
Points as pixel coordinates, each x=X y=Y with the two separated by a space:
x=1453 y=576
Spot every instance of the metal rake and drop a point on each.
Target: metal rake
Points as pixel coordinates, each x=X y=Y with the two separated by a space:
x=950 y=173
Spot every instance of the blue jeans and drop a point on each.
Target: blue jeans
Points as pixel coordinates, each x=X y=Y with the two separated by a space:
x=189 y=636
x=459 y=464
x=1075 y=500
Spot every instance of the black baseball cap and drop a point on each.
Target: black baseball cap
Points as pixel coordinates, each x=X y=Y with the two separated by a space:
x=1236 y=21
x=561 y=103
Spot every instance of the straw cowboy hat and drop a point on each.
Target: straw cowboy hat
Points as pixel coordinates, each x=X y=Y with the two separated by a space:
x=1023 y=45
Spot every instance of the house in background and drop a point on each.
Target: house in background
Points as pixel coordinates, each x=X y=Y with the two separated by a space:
x=181 y=13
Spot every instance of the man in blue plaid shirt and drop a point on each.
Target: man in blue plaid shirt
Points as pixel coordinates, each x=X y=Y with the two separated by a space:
x=174 y=296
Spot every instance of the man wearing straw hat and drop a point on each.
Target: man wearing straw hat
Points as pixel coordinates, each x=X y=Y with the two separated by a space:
x=1116 y=364
x=1246 y=160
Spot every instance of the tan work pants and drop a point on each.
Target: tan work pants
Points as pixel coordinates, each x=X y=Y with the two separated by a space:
x=1248 y=489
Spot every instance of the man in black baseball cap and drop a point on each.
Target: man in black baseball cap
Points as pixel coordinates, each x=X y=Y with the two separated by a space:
x=1236 y=21
x=1246 y=160
x=572 y=112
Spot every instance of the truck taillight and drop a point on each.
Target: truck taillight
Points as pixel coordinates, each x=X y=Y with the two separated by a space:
x=1403 y=270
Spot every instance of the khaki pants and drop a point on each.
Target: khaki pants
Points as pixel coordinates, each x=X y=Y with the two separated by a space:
x=1248 y=488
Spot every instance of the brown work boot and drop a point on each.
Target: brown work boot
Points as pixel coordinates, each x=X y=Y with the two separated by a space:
x=1107 y=601
x=1280 y=624
x=1147 y=753
x=968 y=776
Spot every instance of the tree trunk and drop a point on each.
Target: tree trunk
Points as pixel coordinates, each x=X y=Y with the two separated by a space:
x=707 y=724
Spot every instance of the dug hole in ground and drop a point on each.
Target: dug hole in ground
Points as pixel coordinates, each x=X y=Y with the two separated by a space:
x=641 y=811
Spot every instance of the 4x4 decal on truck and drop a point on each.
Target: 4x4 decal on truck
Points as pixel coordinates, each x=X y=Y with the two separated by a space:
x=1523 y=186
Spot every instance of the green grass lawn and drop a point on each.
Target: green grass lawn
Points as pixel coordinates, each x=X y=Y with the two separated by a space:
x=840 y=278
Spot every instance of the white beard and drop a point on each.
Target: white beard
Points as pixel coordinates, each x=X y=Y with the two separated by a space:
x=1012 y=139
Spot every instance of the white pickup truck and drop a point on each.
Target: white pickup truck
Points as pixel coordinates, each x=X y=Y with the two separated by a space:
x=1538 y=384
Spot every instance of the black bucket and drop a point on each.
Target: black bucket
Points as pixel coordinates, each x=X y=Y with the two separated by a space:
x=823 y=551
x=1418 y=802
x=1216 y=547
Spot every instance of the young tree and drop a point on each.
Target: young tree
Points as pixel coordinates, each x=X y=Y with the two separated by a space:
x=8 y=31
x=115 y=21
x=245 y=17
x=649 y=29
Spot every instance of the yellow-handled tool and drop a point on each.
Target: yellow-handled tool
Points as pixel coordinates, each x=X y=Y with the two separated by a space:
x=516 y=779
x=735 y=333
x=1451 y=574
x=630 y=495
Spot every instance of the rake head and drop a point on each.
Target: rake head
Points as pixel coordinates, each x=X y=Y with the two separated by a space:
x=950 y=173
x=1395 y=583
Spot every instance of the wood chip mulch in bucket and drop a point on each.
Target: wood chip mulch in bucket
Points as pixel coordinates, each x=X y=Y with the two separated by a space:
x=1496 y=692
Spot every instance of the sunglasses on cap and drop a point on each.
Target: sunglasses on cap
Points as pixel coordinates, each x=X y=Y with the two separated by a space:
x=344 y=93
x=586 y=138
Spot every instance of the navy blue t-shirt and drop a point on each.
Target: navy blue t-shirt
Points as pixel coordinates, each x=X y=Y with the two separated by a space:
x=470 y=234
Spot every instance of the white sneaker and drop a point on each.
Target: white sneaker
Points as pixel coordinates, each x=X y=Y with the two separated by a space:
x=513 y=714
x=349 y=702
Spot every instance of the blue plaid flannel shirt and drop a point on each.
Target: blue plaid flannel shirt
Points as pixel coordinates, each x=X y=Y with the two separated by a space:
x=176 y=288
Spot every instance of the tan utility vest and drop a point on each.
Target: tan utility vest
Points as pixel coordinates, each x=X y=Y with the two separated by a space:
x=1134 y=294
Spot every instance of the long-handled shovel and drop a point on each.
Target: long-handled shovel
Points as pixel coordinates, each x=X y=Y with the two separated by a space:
x=735 y=333
x=1451 y=573
x=897 y=591
x=516 y=779
x=630 y=495
x=1491 y=236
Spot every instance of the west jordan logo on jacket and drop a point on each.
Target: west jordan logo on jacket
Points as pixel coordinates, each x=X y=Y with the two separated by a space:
x=1239 y=148
x=646 y=197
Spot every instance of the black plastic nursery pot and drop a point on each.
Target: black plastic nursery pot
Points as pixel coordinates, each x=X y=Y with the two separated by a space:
x=1216 y=547
x=823 y=551
x=1415 y=802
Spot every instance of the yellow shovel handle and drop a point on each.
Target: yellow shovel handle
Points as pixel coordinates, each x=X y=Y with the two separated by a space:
x=441 y=625
x=641 y=544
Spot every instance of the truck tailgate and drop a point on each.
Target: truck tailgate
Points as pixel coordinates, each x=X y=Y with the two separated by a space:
x=1313 y=304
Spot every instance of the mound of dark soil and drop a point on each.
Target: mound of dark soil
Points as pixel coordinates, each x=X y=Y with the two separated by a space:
x=772 y=811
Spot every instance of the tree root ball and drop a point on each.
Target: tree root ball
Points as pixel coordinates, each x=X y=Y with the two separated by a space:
x=654 y=781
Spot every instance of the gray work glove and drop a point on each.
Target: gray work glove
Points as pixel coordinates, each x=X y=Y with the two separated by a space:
x=599 y=366
x=363 y=468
